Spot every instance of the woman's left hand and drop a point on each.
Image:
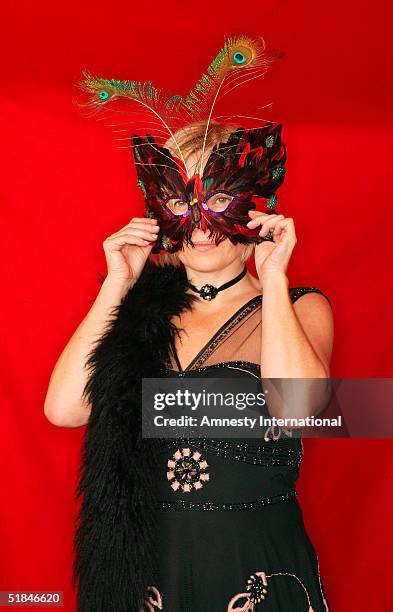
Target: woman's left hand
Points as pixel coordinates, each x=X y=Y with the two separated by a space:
x=273 y=255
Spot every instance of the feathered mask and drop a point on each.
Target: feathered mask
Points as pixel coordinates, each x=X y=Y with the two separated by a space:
x=217 y=197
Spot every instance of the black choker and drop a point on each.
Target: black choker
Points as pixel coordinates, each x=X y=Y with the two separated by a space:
x=209 y=292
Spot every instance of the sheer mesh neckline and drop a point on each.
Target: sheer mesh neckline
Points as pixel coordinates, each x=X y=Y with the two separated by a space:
x=228 y=329
x=239 y=339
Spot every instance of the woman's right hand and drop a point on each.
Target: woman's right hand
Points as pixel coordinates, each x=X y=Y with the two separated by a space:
x=127 y=250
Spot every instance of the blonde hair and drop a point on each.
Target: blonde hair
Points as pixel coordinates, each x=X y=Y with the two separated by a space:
x=190 y=140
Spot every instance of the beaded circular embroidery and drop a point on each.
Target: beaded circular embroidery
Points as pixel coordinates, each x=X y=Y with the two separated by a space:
x=257 y=585
x=187 y=470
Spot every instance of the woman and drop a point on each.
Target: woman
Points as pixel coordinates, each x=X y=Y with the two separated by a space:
x=237 y=541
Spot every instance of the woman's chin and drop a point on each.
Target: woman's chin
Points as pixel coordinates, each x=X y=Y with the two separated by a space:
x=210 y=257
x=208 y=261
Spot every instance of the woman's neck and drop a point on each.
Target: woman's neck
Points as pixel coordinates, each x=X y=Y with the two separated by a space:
x=248 y=286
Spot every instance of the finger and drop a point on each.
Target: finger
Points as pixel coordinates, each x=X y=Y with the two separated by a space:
x=121 y=242
x=140 y=221
x=253 y=213
x=145 y=239
x=269 y=225
x=262 y=219
x=256 y=211
x=277 y=231
x=286 y=225
x=142 y=233
x=126 y=238
x=143 y=219
x=142 y=224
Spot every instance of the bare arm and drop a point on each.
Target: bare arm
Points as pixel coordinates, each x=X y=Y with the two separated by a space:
x=63 y=404
x=296 y=338
x=297 y=342
x=126 y=253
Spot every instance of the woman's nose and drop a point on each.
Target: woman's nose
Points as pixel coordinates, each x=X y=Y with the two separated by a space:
x=195 y=211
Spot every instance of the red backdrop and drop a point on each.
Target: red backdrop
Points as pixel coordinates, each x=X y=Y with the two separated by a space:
x=66 y=186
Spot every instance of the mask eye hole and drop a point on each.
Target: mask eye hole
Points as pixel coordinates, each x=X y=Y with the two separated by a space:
x=219 y=201
x=177 y=206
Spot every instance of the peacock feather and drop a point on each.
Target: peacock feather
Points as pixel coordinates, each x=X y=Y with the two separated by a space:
x=155 y=104
x=104 y=91
x=242 y=58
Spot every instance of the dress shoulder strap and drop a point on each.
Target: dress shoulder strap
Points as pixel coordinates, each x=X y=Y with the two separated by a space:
x=297 y=292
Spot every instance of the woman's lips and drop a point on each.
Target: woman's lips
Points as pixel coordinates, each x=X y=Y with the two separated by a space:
x=204 y=246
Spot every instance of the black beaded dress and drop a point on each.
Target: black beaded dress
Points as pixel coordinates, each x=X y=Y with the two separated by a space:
x=231 y=532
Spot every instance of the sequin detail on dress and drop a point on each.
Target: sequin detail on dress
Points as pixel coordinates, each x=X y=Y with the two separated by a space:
x=209 y=506
x=270 y=454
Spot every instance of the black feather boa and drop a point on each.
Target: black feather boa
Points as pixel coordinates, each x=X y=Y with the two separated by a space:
x=114 y=541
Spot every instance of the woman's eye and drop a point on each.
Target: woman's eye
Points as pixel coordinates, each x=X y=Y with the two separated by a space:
x=178 y=207
x=219 y=202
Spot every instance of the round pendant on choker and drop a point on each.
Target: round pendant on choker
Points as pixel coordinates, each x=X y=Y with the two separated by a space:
x=209 y=292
